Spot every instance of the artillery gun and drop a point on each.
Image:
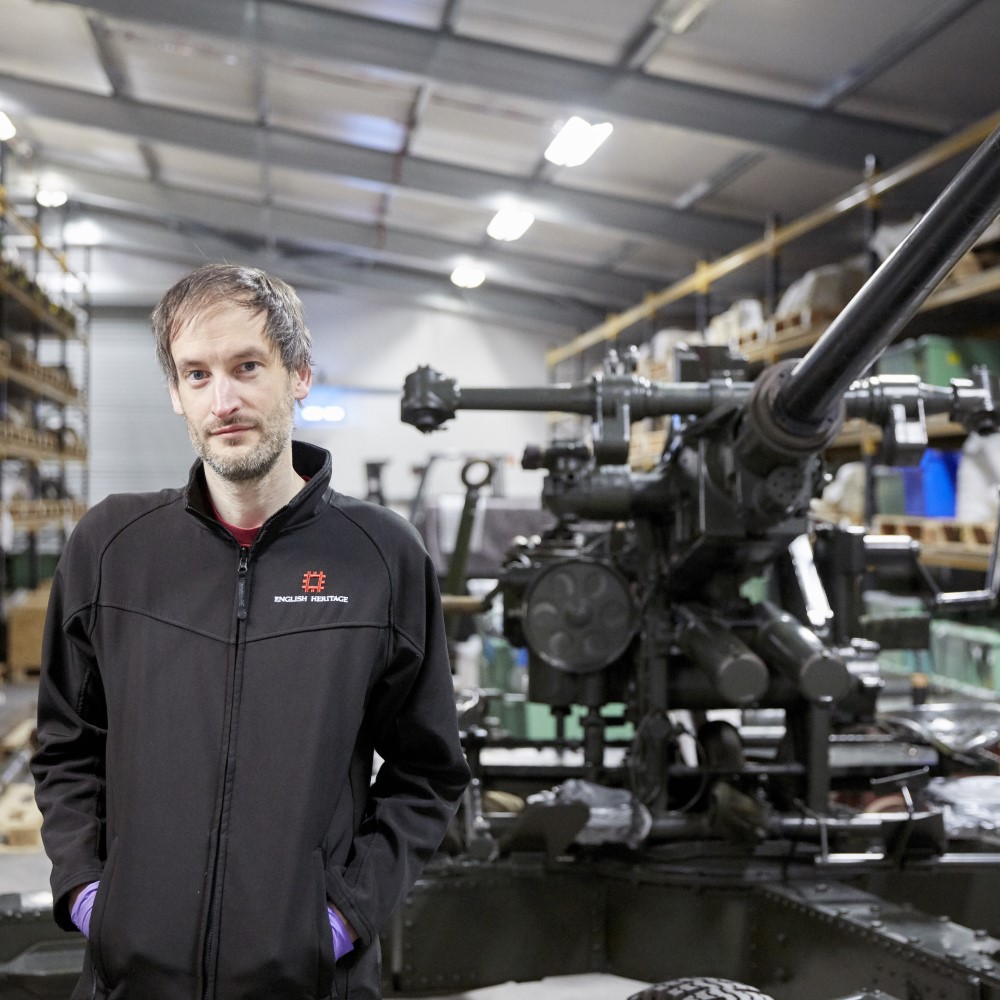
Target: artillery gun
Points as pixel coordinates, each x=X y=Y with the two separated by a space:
x=754 y=856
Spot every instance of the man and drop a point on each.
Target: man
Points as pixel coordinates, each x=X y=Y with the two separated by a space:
x=220 y=664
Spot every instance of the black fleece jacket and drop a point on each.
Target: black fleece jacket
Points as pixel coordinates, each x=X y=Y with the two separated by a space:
x=207 y=718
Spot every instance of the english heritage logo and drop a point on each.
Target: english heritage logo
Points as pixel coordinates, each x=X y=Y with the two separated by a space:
x=313 y=585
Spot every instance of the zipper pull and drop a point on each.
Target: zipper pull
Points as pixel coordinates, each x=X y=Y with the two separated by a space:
x=241 y=584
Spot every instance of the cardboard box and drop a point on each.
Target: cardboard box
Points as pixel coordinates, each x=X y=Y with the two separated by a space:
x=25 y=624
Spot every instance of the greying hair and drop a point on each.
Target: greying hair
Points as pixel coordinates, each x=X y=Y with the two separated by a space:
x=218 y=284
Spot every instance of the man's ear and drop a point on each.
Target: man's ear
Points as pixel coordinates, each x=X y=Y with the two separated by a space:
x=175 y=398
x=303 y=382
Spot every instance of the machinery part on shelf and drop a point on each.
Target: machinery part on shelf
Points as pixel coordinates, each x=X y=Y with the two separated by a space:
x=476 y=473
x=700 y=988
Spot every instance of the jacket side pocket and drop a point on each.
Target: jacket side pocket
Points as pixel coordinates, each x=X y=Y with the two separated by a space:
x=325 y=966
x=97 y=917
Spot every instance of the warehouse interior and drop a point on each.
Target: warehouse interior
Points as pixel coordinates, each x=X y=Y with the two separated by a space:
x=753 y=163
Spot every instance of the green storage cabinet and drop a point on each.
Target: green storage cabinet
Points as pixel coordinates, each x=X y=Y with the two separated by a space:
x=966 y=653
x=937 y=359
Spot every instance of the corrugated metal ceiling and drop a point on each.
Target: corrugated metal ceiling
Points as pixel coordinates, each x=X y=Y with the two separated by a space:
x=365 y=145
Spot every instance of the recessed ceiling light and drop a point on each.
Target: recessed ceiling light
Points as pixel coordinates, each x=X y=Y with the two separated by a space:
x=7 y=130
x=49 y=198
x=82 y=232
x=468 y=276
x=510 y=224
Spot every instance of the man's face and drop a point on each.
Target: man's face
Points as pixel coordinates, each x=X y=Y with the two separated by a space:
x=233 y=391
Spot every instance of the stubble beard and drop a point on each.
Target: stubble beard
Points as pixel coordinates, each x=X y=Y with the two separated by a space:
x=239 y=464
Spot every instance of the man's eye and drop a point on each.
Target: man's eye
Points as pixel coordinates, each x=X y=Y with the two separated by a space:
x=196 y=376
x=249 y=366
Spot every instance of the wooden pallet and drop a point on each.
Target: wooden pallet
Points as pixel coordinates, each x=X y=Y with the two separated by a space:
x=25 y=625
x=755 y=339
x=646 y=448
x=19 y=737
x=654 y=370
x=807 y=318
x=795 y=332
x=943 y=541
x=20 y=820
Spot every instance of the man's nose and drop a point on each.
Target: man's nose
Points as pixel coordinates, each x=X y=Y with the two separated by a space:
x=225 y=398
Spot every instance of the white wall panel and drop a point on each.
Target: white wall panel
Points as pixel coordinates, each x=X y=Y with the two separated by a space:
x=137 y=442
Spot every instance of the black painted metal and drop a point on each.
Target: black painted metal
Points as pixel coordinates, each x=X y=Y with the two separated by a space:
x=37 y=960
x=778 y=925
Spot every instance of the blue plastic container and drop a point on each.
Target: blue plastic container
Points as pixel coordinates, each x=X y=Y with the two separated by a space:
x=929 y=488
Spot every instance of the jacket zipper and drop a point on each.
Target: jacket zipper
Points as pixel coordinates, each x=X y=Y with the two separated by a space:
x=212 y=925
x=241 y=586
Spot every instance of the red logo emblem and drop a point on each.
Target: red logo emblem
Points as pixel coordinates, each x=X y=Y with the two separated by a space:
x=313 y=581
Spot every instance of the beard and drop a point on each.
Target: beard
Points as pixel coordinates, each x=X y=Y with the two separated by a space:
x=239 y=463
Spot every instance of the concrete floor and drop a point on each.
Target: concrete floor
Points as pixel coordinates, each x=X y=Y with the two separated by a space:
x=586 y=987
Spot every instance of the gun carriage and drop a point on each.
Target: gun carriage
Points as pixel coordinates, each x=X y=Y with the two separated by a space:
x=753 y=853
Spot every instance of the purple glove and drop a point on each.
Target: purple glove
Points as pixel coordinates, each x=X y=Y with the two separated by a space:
x=80 y=913
x=342 y=942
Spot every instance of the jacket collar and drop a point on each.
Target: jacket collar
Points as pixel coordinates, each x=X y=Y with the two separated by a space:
x=308 y=460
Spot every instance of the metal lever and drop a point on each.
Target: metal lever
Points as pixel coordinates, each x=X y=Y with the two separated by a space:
x=978 y=600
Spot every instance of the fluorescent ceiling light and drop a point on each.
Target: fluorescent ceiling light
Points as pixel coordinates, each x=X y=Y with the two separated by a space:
x=576 y=142
x=509 y=224
x=7 y=130
x=468 y=276
x=49 y=198
x=82 y=232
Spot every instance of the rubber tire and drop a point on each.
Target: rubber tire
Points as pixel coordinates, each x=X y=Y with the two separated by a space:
x=700 y=988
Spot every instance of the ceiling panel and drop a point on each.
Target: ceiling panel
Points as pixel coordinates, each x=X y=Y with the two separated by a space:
x=662 y=261
x=80 y=145
x=948 y=81
x=500 y=138
x=449 y=218
x=184 y=70
x=786 y=185
x=787 y=49
x=326 y=195
x=224 y=175
x=338 y=103
x=418 y=13
x=587 y=249
x=50 y=42
x=592 y=30
x=651 y=162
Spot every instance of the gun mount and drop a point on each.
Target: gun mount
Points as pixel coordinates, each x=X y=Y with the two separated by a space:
x=638 y=595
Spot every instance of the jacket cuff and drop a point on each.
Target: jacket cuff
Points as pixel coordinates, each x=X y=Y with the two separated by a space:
x=61 y=891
